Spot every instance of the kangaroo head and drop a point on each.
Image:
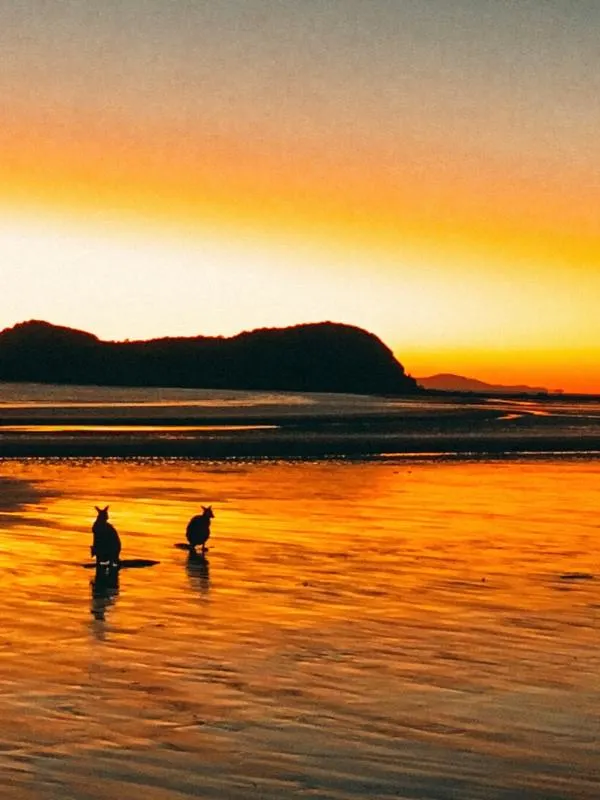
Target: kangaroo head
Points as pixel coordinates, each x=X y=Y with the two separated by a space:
x=208 y=512
x=102 y=513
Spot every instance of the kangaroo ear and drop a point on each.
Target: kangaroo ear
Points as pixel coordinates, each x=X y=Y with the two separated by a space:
x=106 y=508
x=97 y=509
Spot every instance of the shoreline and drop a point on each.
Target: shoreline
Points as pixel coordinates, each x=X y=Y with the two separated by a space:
x=284 y=445
x=215 y=426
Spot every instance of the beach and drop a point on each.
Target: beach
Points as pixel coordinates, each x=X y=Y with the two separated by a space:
x=299 y=400
x=87 y=421
x=396 y=627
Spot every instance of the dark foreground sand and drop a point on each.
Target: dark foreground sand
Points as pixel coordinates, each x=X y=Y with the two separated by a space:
x=247 y=424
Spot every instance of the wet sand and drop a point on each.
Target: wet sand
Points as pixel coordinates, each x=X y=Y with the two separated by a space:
x=415 y=629
x=204 y=424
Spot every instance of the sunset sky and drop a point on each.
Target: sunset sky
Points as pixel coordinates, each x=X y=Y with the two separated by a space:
x=426 y=169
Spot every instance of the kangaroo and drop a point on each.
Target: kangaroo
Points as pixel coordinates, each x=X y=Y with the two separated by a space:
x=198 y=528
x=106 y=546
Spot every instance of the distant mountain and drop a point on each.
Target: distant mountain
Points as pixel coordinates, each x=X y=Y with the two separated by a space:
x=447 y=382
x=320 y=357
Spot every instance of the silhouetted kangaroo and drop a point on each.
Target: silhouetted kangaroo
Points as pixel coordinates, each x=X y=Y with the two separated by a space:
x=198 y=529
x=106 y=546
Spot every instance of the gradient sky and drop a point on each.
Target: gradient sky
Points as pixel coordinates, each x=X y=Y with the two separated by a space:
x=427 y=169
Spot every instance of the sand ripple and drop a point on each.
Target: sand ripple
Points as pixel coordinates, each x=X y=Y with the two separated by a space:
x=366 y=630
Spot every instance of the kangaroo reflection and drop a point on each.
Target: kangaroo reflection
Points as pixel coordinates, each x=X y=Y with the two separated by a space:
x=104 y=592
x=197 y=568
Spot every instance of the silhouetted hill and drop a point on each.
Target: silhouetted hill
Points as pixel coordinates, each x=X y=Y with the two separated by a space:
x=447 y=382
x=321 y=357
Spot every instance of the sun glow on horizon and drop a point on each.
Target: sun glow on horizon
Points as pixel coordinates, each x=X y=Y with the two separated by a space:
x=425 y=171
x=122 y=282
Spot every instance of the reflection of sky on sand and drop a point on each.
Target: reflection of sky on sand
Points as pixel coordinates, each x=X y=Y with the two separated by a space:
x=172 y=429
x=206 y=424
x=25 y=400
x=590 y=408
x=363 y=630
x=32 y=396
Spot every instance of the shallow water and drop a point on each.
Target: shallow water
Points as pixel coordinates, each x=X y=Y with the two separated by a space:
x=372 y=629
x=78 y=421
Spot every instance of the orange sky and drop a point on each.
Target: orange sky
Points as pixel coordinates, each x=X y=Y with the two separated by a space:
x=426 y=171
